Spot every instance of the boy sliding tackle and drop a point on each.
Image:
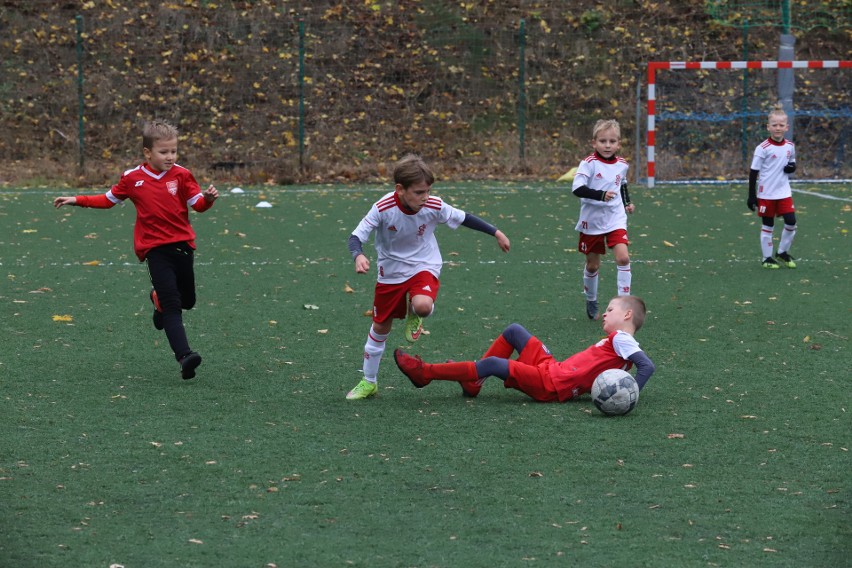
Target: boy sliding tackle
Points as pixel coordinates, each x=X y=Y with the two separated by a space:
x=409 y=261
x=536 y=372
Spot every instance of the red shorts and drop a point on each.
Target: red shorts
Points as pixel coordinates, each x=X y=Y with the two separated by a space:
x=528 y=373
x=598 y=243
x=775 y=207
x=389 y=300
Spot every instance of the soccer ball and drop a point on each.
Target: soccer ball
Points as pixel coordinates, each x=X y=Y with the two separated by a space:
x=615 y=392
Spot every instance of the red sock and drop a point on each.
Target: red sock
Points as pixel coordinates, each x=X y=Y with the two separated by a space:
x=461 y=371
x=500 y=348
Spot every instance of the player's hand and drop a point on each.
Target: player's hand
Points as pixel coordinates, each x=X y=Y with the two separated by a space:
x=630 y=208
x=211 y=194
x=362 y=264
x=502 y=241
x=60 y=201
x=752 y=202
x=790 y=168
x=609 y=196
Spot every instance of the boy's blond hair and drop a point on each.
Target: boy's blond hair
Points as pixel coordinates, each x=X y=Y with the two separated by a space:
x=602 y=125
x=412 y=169
x=777 y=112
x=157 y=130
x=637 y=306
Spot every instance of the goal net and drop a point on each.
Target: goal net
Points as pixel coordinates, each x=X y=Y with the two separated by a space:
x=705 y=118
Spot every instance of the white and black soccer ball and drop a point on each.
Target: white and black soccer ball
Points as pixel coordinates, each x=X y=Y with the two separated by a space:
x=615 y=392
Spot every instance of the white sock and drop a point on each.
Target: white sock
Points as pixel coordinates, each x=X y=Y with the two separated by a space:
x=590 y=285
x=623 y=280
x=373 y=351
x=766 y=240
x=787 y=238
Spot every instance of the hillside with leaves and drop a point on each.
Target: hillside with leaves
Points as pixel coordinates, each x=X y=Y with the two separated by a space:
x=296 y=91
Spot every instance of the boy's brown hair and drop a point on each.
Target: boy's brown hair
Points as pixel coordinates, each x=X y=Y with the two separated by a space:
x=412 y=169
x=637 y=306
x=157 y=130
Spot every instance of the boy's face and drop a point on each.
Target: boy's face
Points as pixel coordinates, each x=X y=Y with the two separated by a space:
x=162 y=154
x=777 y=127
x=606 y=143
x=414 y=197
x=615 y=316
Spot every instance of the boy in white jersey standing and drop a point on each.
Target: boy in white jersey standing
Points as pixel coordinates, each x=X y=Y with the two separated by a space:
x=601 y=185
x=774 y=159
x=408 y=259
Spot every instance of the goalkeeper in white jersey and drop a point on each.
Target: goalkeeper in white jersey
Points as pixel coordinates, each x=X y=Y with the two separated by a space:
x=601 y=185
x=407 y=257
x=769 y=190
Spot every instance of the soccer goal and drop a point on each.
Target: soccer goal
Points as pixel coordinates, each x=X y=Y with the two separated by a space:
x=705 y=118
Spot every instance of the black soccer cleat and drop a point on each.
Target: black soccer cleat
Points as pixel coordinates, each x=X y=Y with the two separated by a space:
x=188 y=365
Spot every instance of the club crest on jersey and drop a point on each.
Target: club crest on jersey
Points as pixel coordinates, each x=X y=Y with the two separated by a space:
x=420 y=230
x=172 y=186
x=139 y=183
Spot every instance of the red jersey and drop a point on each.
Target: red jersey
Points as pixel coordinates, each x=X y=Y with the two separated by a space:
x=575 y=375
x=162 y=201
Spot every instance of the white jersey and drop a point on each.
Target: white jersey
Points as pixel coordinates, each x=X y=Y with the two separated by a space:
x=405 y=241
x=601 y=217
x=770 y=157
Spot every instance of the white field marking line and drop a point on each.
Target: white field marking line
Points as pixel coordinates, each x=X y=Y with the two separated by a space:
x=823 y=196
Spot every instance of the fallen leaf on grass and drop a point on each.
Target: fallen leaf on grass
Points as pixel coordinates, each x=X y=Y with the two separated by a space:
x=322 y=331
x=668 y=244
x=348 y=289
x=311 y=307
x=196 y=541
x=674 y=436
x=92 y=263
x=63 y=318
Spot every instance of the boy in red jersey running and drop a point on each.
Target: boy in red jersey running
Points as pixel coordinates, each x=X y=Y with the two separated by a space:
x=408 y=259
x=536 y=372
x=774 y=159
x=162 y=192
x=601 y=185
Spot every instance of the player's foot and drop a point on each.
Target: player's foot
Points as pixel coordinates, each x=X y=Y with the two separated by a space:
x=471 y=389
x=188 y=364
x=592 y=309
x=770 y=263
x=786 y=259
x=158 y=312
x=364 y=389
x=413 y=327
x=411 y=367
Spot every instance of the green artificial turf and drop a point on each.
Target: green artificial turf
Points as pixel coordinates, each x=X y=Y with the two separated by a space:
x=736 y=455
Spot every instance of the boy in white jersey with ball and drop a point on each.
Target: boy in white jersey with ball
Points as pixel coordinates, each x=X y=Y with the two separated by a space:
x=408 y=258
x=774 y=159
x=601 y=185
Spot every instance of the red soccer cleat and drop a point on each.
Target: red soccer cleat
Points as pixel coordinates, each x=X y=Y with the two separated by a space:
x=411 y=367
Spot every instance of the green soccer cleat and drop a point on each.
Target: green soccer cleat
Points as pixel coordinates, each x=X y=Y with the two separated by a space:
x=786 y=259
x=364 y=389
x=413 y=327
x=770 y=263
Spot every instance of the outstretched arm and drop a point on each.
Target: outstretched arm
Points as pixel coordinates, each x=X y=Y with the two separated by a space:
x=95 y=201
x=473 y=222
x=644 y=367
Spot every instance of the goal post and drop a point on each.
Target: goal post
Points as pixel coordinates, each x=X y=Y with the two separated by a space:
x=836 y=104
